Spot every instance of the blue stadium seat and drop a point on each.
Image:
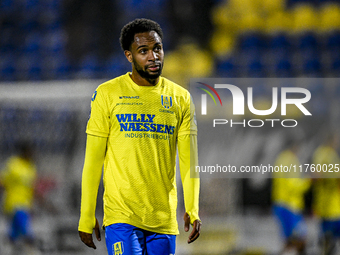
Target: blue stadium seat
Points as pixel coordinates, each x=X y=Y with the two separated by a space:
x=54 y=42
x=50 y=21
x=116 y=65
x=57 y=67
x=8 y=38
x=251 y=41
x=142 y=8
x=226 y=68
x=35 y=69
x=29 y=4
x=291 y=3
x=333 y=41
x=320 y=2
x=8 y=67
x=32 y=44
x=29 y=67
x=307 y=41
x=283 y=67
x=7 y=6
x=280 y=42
x=29 y=16
x=335 y=64
x=255 y=68
x=312 y=66
x=53 y=5
x=63 y=69
x=89 y=67
x=252 y=63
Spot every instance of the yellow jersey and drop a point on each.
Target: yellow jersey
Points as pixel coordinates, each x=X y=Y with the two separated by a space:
x=289 y=192
x=326 y=191
x=142 y=125
x=18 y=179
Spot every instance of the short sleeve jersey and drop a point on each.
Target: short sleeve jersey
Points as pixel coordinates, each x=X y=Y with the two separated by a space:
x=142 y=124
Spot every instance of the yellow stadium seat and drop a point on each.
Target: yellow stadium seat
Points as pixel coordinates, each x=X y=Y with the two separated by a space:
x=251 y=22
x=305 y=18
x=244 y=6
x=224 y=19
x=222 y=42
x=280 y=21
x=270 y=7
x=329 y=17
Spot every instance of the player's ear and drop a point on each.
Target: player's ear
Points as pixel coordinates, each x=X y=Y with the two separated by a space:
x=128 y=55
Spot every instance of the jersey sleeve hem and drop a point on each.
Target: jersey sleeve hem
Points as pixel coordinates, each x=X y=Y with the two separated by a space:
x=85 y=230
x=188 y=132
x=97 y=133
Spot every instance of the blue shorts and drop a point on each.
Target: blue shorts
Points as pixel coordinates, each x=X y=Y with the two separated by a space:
x=125 y=239
x=20 y=226
x=331 y=227
x=293 y=224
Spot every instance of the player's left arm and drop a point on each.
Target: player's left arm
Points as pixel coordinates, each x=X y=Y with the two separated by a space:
x=188 y=159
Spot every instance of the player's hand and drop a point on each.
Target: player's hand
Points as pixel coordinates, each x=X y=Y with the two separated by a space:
x=196 y=228
x=86 y=238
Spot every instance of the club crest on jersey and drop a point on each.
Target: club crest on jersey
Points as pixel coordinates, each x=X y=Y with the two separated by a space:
x=166 y=101
x=118 y=248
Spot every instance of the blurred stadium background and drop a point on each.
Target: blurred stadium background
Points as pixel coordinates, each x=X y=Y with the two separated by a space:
x=54 y=53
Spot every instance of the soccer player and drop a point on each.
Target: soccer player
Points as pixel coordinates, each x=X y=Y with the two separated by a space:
x=326 y=193
x=288 y=200
x=18 y=180
x=137 y=122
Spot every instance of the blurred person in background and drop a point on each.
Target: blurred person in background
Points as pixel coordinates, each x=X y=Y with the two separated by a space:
x=326 y=193
x=288 y=192
x=18 y=181
x=137 y=122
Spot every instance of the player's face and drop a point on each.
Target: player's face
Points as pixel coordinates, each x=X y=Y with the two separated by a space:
x=147 y=55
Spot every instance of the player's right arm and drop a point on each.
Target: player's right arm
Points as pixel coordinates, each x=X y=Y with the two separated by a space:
x=92 y=172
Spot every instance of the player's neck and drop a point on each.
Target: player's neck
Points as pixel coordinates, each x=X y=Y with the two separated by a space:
x=139 y=80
